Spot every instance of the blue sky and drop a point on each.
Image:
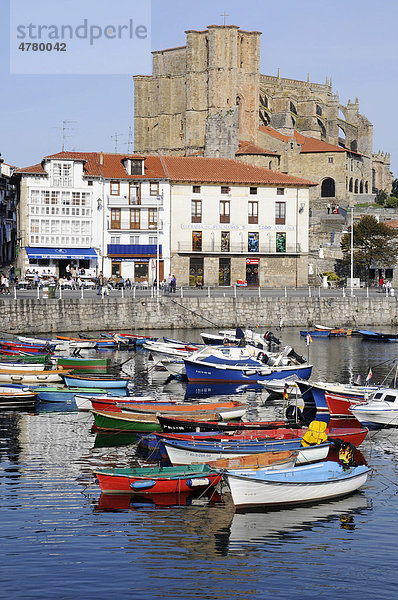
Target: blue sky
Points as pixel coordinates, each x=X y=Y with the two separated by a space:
x=352 y=41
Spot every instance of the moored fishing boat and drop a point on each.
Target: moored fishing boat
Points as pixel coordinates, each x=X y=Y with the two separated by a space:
x=110 y=421
x=13 y=366
x=86 y=365
x=14 y=398
x=106 y=402
x=375 y=336
x=313 y=392
x=300 y=485
x=380 y=410
x=157 y=480
x=93 y=381
x=31 y=376
x=67 y=394
x=183 y=452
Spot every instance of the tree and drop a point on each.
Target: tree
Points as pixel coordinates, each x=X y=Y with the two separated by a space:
x=381 y=197
x=394 y=190
x=374 y=244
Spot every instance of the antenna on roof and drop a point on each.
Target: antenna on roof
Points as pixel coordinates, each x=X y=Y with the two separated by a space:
x=65 y=128
x=116 y=137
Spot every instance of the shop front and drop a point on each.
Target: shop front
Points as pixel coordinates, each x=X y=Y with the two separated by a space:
x=137 y=262
x=57 y=261
x=252 y=271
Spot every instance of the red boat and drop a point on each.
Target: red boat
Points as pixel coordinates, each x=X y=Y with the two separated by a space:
x=158 y=480
x=116 y=404
x=354 y=435
x=20 y=347
x=339 y=405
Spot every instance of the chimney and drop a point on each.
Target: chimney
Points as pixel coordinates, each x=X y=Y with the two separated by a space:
x=101 y=158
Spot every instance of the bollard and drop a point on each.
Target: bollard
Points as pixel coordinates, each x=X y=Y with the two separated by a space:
x=81 y=292
x=234 y=291
x=343 y=293
x=285 y=292
x=134 y=292
x=319 y=292
x=38 y=292
x=122 y=292
x=60 y=293
x=259 y=291
x=309 y=291
x=15 y=292
x=208 y=291
x=367 y=292
x=181 y=293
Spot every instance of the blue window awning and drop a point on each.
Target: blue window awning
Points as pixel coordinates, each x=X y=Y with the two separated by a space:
x=60 y=253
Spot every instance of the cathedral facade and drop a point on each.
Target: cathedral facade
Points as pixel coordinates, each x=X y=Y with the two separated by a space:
x=208 y=98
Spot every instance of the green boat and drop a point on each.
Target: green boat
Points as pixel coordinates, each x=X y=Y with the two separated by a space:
x=86 y=365
x=134 y=422
x=26 y=358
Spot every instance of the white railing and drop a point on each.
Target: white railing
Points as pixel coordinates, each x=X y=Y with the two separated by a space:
x=135 y=201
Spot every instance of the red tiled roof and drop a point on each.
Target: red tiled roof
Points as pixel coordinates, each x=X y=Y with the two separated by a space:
x=101 y=164
x=175 y=168
x=250 y=148
x=308 y=144
x=223 y=170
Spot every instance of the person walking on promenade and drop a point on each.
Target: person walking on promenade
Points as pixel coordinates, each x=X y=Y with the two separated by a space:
x=387 y=286
x=381 y=284
x=12 y=274
x=36 y=279
x=328 y=207
x=100 y=283
x=168 y=283
x=173 y=284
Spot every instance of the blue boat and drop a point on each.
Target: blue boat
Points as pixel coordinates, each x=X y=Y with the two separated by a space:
x=208 y=390
x=322 y=333
x=96 y=381
x=212 y=370
x=374 y=336
x=66 y=394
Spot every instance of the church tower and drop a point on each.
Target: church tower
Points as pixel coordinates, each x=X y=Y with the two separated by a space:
x=202 y=98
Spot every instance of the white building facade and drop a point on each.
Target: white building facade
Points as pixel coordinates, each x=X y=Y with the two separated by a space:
x=101 y=212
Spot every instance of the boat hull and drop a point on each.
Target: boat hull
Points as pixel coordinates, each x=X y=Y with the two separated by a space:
x=203 y=371
x=248 y=491
x=89 y=382
x=106 y=421
x=166 y=480
x=184 y=454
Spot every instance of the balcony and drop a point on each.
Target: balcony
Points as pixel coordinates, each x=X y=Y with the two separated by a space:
x=135 y=201
x=210 y=248
x=129 y=250
x=127 y=225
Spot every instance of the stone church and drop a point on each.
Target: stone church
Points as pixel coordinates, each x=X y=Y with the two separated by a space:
x=208 y=98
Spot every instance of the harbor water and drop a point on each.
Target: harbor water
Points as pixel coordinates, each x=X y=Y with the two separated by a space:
x=62 y=539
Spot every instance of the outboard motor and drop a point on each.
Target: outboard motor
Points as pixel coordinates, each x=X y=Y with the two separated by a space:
x=290 y=352
x=293 y=413
x=271 y=339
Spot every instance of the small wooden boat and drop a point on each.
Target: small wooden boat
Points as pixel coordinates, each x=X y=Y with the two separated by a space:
x=300 y=485
x=313 y=393
x=67 y=394
x=380 y=410
x=339 y=405
x=93 y=381
x=316 y=333
x=106 y=402
x=283 y=459
x=87 y=365
x=13 y=366
x=31 y=376
x=183 y=452
x=20 y=358
x=31 y=348
x=159 y=480
x=180 y=424
x=13 y=398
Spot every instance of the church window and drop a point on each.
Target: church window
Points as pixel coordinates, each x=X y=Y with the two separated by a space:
x=328 y=188
x=293 y=109
x=366 y=187
x=264 y=117
x=356 y=187
x=361 y=187
x=321 y=127
x=264 y=101
x=318 y=110
x=354 y=146
x=270 y=164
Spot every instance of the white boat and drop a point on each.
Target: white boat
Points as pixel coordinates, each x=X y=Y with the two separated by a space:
x=9 y=366
x=24 y=377
x=180 y=454
x=278 y=386
x=60 y=345
x=380 y=409
x=174 y=366
x=299 y=485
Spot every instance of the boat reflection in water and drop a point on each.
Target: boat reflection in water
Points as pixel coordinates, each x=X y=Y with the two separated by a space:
x=123 y=502
x=207 y=390
x=260 y=526
x=109 y=439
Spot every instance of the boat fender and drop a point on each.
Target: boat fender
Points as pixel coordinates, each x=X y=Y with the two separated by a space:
x=147 y=484
x=346 y=455
x=198 y=481
x=249 y=372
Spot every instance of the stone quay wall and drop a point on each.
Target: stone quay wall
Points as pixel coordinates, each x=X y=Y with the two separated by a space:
x=28 y=316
